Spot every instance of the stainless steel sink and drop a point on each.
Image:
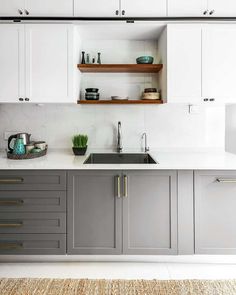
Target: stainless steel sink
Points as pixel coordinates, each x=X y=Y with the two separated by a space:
x=120 y=159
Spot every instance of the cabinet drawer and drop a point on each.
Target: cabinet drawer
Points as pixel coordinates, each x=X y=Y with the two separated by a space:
x=28 y=201
x=32 y=180
x=32 y=223
x=48 y=244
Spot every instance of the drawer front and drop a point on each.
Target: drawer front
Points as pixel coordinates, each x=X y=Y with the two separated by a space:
x=32 y=223
x=32 y=180
x=31 y=244
x=29 y=201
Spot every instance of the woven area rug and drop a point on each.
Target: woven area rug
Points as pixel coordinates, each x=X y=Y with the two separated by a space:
x=115 y=287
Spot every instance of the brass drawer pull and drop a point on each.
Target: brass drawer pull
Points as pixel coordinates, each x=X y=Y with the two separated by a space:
x=118 y=186
x=225 y=180
x=11 y=202
x=11 y=180
x=18 y=224
x=7 y=245
x=125 y=186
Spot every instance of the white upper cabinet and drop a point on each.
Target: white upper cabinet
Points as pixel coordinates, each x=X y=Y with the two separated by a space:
x=12 y=63
x=183 y=76
x=194 y=8
x=102 y=8
x=119 y=8
x=222 y=8
x=36 y=8
x=219 y=63
x=49 y=63
x=12 y=7
x=49 y=7
x=140 y=8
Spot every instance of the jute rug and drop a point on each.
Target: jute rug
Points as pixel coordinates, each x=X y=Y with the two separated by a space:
x=114 y=287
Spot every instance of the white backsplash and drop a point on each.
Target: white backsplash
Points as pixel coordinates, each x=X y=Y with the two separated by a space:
x=167 y=126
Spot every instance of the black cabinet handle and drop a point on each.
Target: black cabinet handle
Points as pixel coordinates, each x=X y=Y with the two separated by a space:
x=212 y=12
x=123 y=12
x=117 y=12
x=205 y=12
x=20 y=11
x=21 y=99
x=212 y=99
x=205 y=99
x=26 y=12
x=27 y=99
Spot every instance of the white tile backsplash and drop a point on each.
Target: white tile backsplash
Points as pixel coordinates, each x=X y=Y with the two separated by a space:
x=167 y=126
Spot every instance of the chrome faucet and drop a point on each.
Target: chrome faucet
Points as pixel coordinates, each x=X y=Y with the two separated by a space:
x=144 y=135
x=119 y=139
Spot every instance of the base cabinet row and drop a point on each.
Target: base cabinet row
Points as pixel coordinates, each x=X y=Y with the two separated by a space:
x=117 y=212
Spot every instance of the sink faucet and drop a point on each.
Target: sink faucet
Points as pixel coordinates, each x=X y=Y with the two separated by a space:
x=144 y=135
x=119 y=139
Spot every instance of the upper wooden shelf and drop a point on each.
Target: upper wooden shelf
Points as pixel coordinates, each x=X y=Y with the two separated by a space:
x=120 y=68
x=130 y=101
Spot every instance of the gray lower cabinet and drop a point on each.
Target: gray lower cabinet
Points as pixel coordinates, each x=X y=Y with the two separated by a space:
x=94 y=213
x=150 y=212
x=215 y=212
x=122 y=212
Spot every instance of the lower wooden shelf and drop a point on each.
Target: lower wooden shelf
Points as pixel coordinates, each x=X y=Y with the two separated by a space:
x=138 y=101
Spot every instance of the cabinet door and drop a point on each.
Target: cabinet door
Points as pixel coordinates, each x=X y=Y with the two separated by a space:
x=150 y=212
x=184 y=77
x=219 y=63
x=49 y=63
x=49 y=7
x=187 y=7
x=140 y=8
x=12 y=7
x=91 y=8
x=215 y=218
x=222 y=8
x=12 y=62
x=94 y=213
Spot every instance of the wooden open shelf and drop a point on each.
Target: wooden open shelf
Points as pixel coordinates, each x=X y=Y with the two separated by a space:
x=120 y=68
x=138 y=101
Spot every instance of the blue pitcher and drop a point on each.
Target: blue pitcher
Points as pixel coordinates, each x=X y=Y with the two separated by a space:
x=19 y=147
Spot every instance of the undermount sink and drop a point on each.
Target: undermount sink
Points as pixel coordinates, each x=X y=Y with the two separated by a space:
x=120 y=159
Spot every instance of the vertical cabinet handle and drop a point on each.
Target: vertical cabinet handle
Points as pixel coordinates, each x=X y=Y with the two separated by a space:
x=117 y=12
x=26 y=12
x=123 y=12
x=125 y=186
x=20 y=11
x=205 y=12
x=212 y=12
x=118 y=186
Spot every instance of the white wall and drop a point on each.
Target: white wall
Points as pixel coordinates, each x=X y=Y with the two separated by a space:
x=230 y=129
x=167 y=126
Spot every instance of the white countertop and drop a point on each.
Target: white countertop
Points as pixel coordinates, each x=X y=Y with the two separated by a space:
x=179 y=160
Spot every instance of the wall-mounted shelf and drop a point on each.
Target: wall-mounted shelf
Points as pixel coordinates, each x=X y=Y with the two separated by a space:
x=138 y=101
x=120 y=68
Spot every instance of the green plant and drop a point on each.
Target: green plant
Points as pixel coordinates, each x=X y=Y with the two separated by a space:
x=80 y=141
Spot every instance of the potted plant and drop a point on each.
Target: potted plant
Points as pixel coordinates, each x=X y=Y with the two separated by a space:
x=79 y=144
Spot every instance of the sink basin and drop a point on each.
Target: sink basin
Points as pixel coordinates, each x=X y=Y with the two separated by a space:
x=120 y=159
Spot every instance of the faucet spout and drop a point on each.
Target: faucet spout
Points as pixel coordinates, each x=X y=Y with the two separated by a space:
x=146 y=148
x=119 y=139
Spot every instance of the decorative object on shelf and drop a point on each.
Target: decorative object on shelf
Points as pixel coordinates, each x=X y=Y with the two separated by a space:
x=99 y=58
x=145 y=60
x=40 y=144
x=83 y=57
x=92 y=94
x=119 y=97
x=29 y=147
x=93 y=60
x=79 y=144
x=87 y=58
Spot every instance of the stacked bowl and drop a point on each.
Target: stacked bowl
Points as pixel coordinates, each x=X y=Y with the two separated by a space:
x=91 y=94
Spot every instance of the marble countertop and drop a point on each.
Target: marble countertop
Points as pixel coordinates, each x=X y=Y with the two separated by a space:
x=179 y=160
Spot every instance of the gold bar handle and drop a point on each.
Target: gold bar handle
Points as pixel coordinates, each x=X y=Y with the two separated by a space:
x=118 y=186
x=225 y=180
x=6 y=245
x=18 y=224
x=11 y=180
x=11 y=202
x=125 y=186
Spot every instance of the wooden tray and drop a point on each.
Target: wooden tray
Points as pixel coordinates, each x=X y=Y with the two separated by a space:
x=26 y=156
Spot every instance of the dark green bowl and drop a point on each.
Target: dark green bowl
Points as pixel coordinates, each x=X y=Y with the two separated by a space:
x=145 y=60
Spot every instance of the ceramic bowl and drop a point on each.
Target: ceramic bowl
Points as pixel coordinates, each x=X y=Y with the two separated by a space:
x=148 y=90
x=145 y=59
x=92 y=90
